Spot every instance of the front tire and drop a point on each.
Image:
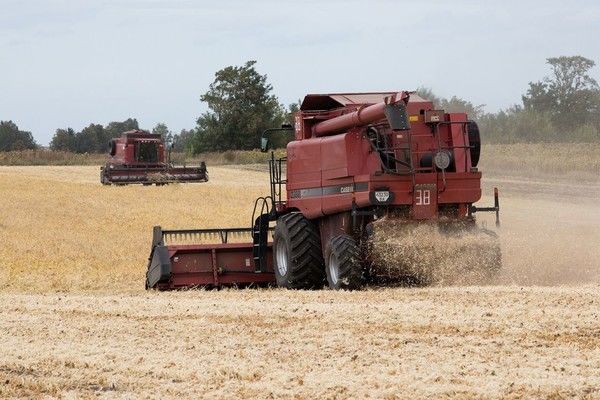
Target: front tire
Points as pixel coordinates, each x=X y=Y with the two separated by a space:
x=344 y=269
x=297 y=256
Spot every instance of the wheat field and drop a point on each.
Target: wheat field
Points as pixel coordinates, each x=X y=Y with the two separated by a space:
x=62 y=230
x=76 y=322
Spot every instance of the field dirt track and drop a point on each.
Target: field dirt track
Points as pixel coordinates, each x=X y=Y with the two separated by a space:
x=76 y=322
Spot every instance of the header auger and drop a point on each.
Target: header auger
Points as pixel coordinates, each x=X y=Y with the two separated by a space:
x=362 y=167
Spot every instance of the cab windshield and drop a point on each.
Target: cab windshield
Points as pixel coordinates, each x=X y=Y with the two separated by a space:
x=146 y=152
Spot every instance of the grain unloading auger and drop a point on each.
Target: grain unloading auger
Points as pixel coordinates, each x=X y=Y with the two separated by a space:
x=363 y=177
x=140 y=157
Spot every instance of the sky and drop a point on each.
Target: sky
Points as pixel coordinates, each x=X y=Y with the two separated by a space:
x=72 y=63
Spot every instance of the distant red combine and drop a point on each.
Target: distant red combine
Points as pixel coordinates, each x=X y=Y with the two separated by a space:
x=139 y=157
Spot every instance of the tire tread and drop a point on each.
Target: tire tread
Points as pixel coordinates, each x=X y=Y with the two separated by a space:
x=348 y=254
x=306 y=266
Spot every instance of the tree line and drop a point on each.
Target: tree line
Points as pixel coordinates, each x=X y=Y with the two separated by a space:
x=93 y=138
x=12 y=138
x=563 y=106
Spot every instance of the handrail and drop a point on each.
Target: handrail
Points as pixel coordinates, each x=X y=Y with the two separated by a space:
x=276 y=181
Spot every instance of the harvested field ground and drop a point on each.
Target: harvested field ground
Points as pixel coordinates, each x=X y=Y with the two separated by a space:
x=393 y=343
x=76 y=322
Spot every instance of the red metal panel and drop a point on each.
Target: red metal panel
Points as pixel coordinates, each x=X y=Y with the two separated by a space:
x=461 y=188
x=304 y=172
x=341 y=154
x=347 y=155
x=215 y=265
x=334 y=160
x=190 y=261
x=362 y=199
x=303 y=164
x=336 y=203
x=309 y=207
x=424 y=202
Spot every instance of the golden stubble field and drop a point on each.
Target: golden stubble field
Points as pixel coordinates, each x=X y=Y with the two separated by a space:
x=63 y=231
x=76 y=322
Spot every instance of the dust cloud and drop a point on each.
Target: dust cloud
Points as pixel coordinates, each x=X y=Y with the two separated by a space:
x=550 y=235
x=425 y=254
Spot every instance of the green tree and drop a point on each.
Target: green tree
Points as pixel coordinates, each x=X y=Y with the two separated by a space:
x=458 y=105
x=65 y=140
x=428 y=94
x=516 y=125
x=241 y=107
x=280 y=139
x=164 y=132
x=453 y=105
x=115 y=129
x=91 y=139
x=570 y=96
x=292 y=109
x=562 y=107
x=11 y=138
x=182 y=142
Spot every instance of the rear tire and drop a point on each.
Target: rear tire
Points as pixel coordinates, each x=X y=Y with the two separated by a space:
x=474 y=142
x=344 y=269
x=297 y=256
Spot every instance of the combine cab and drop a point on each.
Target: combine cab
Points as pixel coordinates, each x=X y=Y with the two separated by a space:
x=139 y=157
x=377 y=187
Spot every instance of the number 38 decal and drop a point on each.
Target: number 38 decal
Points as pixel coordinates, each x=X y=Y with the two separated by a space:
x=422 y=197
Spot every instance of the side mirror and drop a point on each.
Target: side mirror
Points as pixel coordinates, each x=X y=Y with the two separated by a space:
x=264 y=144
x=286 y=126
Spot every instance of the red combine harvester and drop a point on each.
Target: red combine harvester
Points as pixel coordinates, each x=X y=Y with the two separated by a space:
x=139 y=157
x=357 y=161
